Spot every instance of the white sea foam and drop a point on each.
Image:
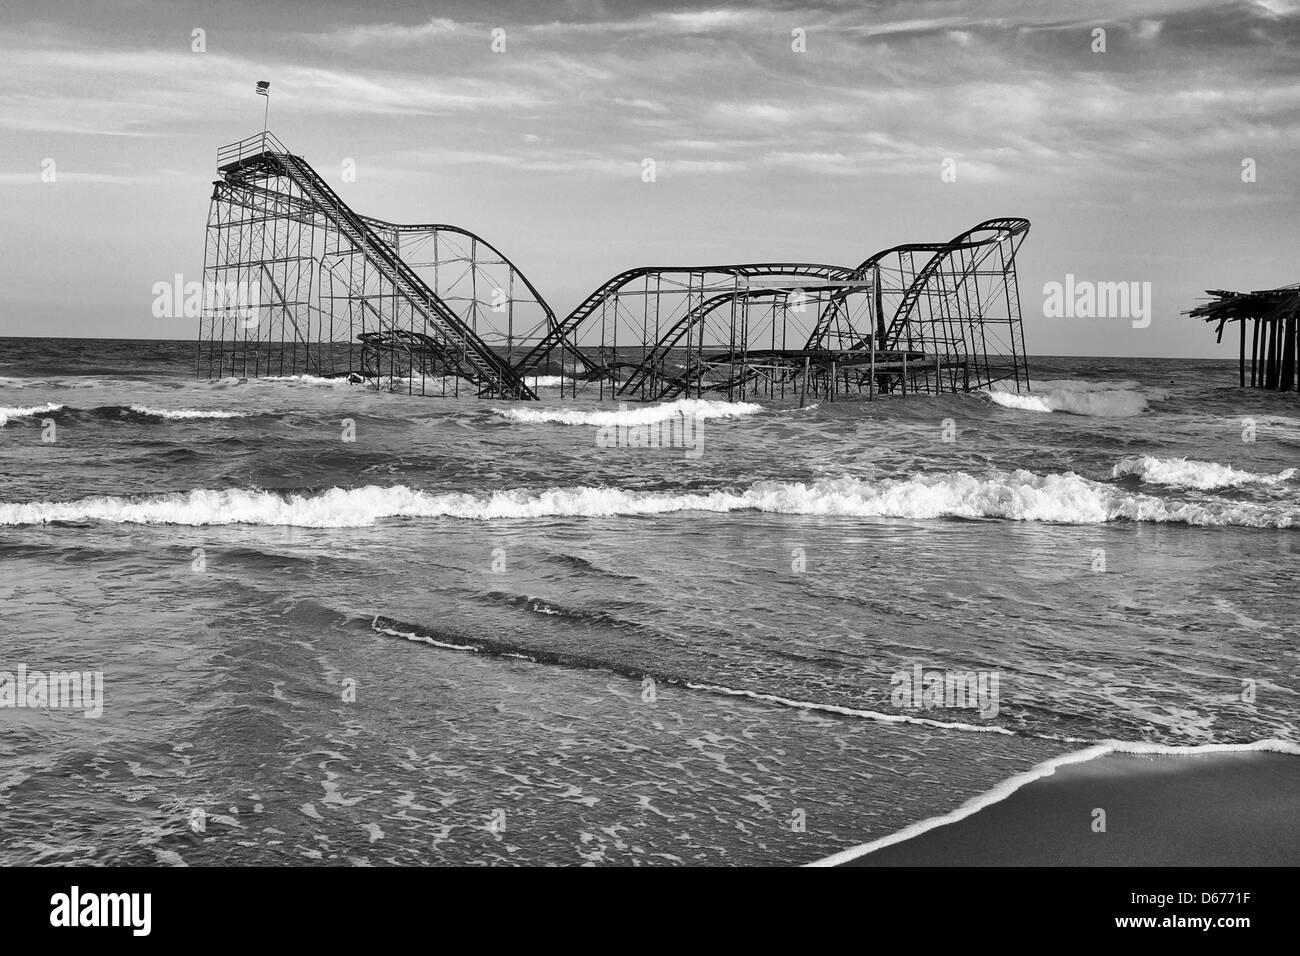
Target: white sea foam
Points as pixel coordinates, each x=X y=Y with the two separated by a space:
x=76 y=382
x=300 y=380
x=697 y=408
x=186 y=413
x=353 y=380
x=1045 y=769
x=22 y=411
x=546 y=381
x=1019 y=495
x=851 y=711
x=1099 y=399
x=1185 y=473
x=420 y=638
x=428 y=385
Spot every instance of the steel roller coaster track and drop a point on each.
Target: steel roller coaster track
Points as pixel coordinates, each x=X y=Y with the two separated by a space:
x=298 y=283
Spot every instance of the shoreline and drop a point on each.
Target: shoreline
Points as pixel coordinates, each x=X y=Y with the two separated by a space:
x=1117 y=804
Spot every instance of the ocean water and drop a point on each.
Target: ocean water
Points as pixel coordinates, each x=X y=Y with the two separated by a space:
x=352 y=626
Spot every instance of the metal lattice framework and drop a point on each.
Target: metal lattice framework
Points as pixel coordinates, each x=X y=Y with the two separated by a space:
x=937 y=317
x=333 y=293
x=435 y=309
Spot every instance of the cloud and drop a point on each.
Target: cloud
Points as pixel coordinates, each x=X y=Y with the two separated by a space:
x=1279 y=8
x=1148 y=29
x=390 y=34
x=134 y=92
x=102 y=179
x=641 y=104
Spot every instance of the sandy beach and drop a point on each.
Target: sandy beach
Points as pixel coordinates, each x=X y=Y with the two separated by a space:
x=1215 y=809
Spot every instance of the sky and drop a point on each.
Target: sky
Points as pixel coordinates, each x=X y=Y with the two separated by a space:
x=896 y=122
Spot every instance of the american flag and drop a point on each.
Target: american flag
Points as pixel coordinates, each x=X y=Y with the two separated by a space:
x=263 y=87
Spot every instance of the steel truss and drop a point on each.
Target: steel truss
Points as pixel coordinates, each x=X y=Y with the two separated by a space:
x=436 y=309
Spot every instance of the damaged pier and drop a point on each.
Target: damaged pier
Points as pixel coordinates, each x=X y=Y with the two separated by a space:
x=1266 y=330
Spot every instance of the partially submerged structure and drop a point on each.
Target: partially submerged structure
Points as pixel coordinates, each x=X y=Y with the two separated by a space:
x=1267 y=321
x=438 y=309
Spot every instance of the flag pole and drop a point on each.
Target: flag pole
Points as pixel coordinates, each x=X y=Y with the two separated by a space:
x=264 y=89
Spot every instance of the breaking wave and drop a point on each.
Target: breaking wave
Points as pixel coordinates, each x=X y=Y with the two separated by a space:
x=331 y=381
x=22 y=411
x=546 y=381
x=1185 y=473
x=1077 y=397
x=185 y=413
x=1019 y=496
x=120 y=412
x=697 y=408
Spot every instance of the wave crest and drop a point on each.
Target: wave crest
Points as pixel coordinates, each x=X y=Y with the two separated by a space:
x=1021 y=496
x=22 y=411
x=172 y=414
x=697 y=408
x=1187 y=473
x=1078 y=397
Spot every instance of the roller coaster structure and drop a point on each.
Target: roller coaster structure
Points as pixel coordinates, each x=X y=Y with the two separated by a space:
x=435 y=309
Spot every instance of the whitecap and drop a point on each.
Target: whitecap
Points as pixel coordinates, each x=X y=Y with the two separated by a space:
x=186 y=413
x=1188 y=473
x=1019 y=495
x=1078 y=397
x=22 y=411
x=697 y=408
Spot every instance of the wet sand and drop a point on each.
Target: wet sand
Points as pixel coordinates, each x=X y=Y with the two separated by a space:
x=1214 y=809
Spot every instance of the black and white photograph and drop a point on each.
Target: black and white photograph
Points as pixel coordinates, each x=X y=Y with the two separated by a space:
x=594 y=433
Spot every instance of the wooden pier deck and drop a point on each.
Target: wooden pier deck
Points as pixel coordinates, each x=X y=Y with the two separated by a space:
x=1266 y=327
